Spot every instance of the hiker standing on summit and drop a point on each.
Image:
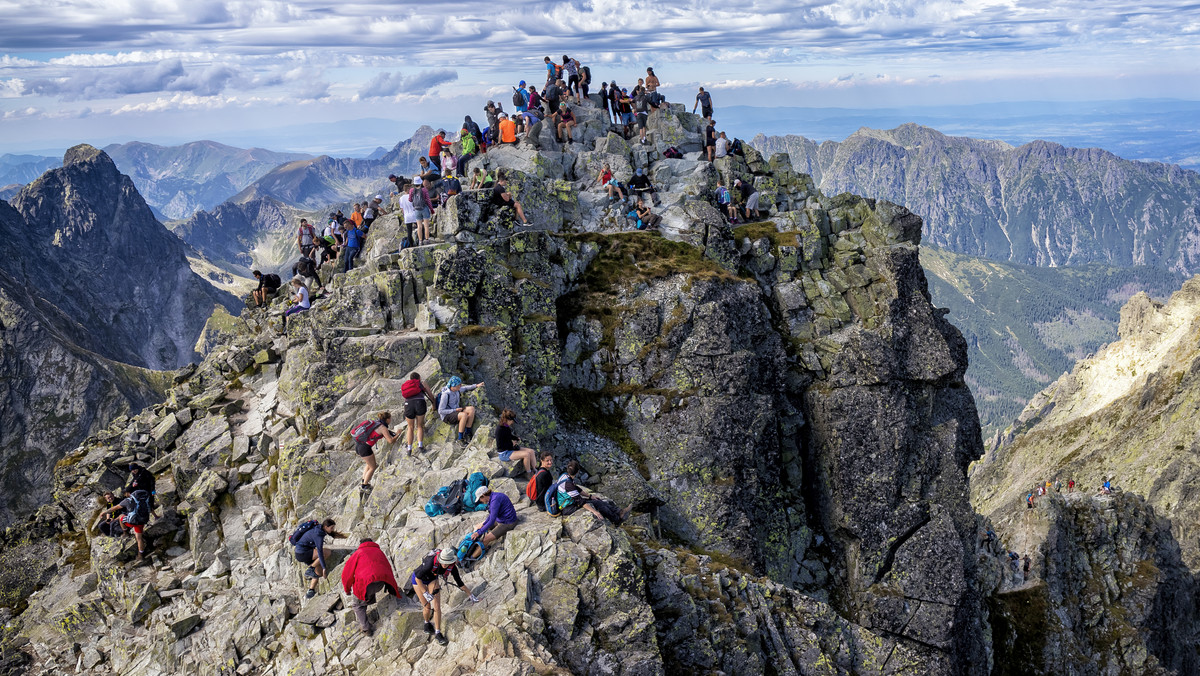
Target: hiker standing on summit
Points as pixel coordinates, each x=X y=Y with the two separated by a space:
x=704 y=100
x=436 y=144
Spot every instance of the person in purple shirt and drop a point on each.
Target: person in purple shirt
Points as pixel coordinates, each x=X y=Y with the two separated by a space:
x=502 y=516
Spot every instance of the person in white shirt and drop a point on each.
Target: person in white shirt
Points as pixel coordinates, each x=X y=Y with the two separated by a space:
x=410 y=215
x=300 y=300
x=722 y=145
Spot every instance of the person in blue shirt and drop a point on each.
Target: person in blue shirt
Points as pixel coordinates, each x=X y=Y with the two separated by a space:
x=310 y=550
x=450 y=411
x=501 y=518
x=354 y=242
x=524 y=97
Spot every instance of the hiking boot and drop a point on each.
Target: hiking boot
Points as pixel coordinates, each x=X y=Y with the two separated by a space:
x=310 y=573
x=310 y=593
x=408 y=449
x=441 y=638
x=429 y=628
x=365 y=488
x=370 y=630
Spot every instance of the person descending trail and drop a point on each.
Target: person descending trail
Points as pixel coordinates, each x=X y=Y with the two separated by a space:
x=367 y=573
x=309 y=542
x=366 y=434
x=306 y=235
x=415 y=393
x=507 y=442
x=134 y=515
x=141 y=479
x=426 y=582
x=572 y=498
x=453 y=414
x=1029 y=501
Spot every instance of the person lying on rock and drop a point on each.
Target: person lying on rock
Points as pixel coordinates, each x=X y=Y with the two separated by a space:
x=367 y=573
x=415 y=393
x=427 y=581
x=507 y=442
x=502 y=198
x=501 y=518
x=453 y=414
x=310 y=550
x=267 y=286
x=572 y=498
x=133 y=516
x=366 y=447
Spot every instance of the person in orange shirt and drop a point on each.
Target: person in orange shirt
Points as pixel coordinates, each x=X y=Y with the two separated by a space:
x=357 y=214
x=436 y=144
x=508 y=129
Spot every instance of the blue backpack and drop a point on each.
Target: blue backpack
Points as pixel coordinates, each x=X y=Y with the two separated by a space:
x=303 y=528
x=448 y=500
x=551 y=498
x=464 y=551
x=474 y=481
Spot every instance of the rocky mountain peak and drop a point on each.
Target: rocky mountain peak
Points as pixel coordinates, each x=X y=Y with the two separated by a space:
x=84 y=153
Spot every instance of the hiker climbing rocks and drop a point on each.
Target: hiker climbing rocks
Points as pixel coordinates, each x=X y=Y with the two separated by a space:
x=134 y=515
x=427 y=580
x=367 y=573
x=365 y=435
x=453 y=414
x=704 y=100
x=140 y=479
x=725 y=202
x=1071 y=486
x=749 y=198
x=541 y=481
x=415 y=393
x=507 y=442
x=305 y=236
x=309 y=542
x=354 y=242
x=1029 y=501
x=710 y=140
x=502 y=198
x=267 y=286
x=469 y=142
x=501 y=518
x=640 y=185
x=572 y=498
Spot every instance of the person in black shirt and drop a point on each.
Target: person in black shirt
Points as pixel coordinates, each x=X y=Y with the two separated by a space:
x=704 y=100
x=543 y=478
x=501 y=197
x=640 y=185
x=427 y=580
x=267 y=286
x=507 y=442
x=710 y=139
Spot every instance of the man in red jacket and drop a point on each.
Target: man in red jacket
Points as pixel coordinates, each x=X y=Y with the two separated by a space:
x=435 y=148
x=367 y=572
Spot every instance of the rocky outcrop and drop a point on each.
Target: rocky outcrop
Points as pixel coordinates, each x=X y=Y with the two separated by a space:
x=1038 y=204
x=780 y=403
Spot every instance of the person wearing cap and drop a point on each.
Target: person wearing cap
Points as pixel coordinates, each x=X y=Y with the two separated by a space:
x=501 y=518
x=449 y=410
x=508 y=130
x=427 y=580
x=436 y=144
x=565 y=124
x=640 y=185
x=374 y=210
x=521 y=93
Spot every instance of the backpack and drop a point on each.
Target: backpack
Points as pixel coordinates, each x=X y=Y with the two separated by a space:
x=535 y=100
x=464 y=551
x=518 y=100
x=303 y=528
x=140 y=514
x=531 y=487
x=736 y=148
x=405 y=242
x=411 y=389
x=551 y=498
x=673 y=153
x=448 y=499
x=476 y=480
x=362 y=431
x=274 y=280
x=307 y=266
x=586 y=74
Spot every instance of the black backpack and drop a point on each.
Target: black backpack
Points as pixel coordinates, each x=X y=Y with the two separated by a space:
x=737 y=147
x=303 y=528
x=518 y=100
x=140 y=514
x=450 y=500
x=586 y=74
x=274 y=281
x=307 y=266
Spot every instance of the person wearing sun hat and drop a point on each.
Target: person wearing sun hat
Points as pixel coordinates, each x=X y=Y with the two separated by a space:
x=426 y=582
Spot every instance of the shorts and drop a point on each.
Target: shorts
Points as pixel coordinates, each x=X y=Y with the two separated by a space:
x=706 y=111
x=414 y=408
x=451 y=418
x=752 y=203
x=424 y=214
x=135 y=528
x=505 y=456
x=500 y=529
x=641 y=120
x=363 y=450
x=304 y=557
x=306 y=249
x=626 y=118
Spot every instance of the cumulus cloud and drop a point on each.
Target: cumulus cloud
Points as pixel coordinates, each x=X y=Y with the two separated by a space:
x=393 y=84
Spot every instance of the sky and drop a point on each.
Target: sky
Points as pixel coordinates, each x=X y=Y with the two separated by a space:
x=175 y=70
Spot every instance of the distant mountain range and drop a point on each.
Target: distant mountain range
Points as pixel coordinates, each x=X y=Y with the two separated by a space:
x=21 y=169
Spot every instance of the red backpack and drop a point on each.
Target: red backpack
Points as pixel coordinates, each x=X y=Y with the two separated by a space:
x=411 y=389
x=531 y=490
x=364 y=432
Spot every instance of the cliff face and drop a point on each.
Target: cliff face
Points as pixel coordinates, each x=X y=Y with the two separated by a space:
x=780 y=403
x=1039 y=204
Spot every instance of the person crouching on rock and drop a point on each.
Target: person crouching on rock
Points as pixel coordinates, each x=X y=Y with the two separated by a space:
x=310 y=550
x=453 y=414
x=507 y=443
x=427 y=581
x=365 y=447
x=367 y=572
x=501 y=518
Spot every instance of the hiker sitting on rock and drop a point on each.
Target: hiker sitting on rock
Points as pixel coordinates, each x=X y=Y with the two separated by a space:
x=300 y=300
x=610 y=183
x=507 y=129
x=502 y=198
x=310 y=550
x=427 y=580
x=542 y=479
x=640 y=185
x=572 y=498
x=267 y=286
x=564 y=125
x=415 y=393
x=366 y=434
x=367 y=573
x=134 y=515
x=501 y=518
x=507 y=442
x=453 y=414
x=1106 y=487
x=105 y=523
x=648 y=218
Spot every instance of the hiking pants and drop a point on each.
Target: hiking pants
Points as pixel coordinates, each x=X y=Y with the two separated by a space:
x=608 y=509
x=360 y=606
x=351 y=253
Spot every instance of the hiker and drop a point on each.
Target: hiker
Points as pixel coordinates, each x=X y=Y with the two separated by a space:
x=474 y=131
x=750 y=199
x=501 y=518
x=415 y=393
x=1027 y=565
x=367 y=572
x=648 y=218
x=508 y=130
x=366 y=434
x=493 y=118
x=409 y=217
x=356 y=214
x=300 y=301
x=520 y=98
x=565 y=125
x=585 y=81
x=614 y=102
x=134 y=515
x=436 y=144
x=570 y=68
x=606 y=179
x=105 y=523
x=427 y=581
x=625 y=105
x=450 y=185
x=425 y=170
x=507 y=442
x=710 y=140
x=1029 y=501
x=450 y=411
x=640 y=185
x=310 y=550
x=551 y=72
x=422 y=204
x=1071 y=486
x=328 y=251
x=704 y=100
x=305 y=235
x=571 y=498
x=354 y=242
x=541 y=481
x=725 y=202
x=333 y=228
x=722 y=145
x=502 y=198
x=553 y=94
x=603 y=93
x=989 y=539
x=470 y=148
x=535 y=103
x=449 y=163
x=307 y=268
x=527 y=119
x=1058 y=486
x=140 y=478
x=1106 y=487
x=267 y=286
x=368 y=215
x=641 y=104
x=480 y=180
x=652 y=83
